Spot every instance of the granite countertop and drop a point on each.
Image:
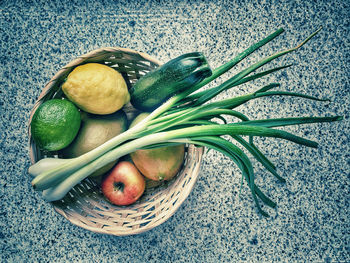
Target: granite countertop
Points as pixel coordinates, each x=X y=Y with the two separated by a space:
x=218 y=222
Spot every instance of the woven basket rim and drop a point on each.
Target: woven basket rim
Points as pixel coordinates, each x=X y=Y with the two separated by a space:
x=195 y=166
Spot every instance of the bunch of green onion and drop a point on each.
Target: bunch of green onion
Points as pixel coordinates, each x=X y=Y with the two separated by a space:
x=191 y=117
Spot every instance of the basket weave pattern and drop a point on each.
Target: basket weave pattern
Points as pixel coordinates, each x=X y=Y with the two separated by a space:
x=85 y=204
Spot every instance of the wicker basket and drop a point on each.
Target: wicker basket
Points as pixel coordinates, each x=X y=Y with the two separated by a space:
x=85 y=205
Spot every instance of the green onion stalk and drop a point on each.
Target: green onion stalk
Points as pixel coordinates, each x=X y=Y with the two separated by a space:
x=192 y=117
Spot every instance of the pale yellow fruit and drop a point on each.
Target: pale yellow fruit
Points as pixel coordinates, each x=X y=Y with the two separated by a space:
x=96 y=88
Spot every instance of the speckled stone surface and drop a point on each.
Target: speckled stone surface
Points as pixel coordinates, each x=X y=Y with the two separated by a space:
x=215 y=224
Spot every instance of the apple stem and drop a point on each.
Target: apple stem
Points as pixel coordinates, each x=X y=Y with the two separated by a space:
x=118 y=186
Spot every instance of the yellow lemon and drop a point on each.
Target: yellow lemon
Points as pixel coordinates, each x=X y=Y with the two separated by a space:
x=96 y=88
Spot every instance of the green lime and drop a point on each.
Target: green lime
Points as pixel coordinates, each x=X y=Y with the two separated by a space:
x=55 y=124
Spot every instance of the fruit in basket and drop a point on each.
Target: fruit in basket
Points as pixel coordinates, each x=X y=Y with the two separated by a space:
x=161 y=163
x=96 y=88
x=194 y=119
x=124 y=185
x=55 y=124
x=96 y=130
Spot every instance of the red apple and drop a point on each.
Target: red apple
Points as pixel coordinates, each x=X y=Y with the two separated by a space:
x=124 y=185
